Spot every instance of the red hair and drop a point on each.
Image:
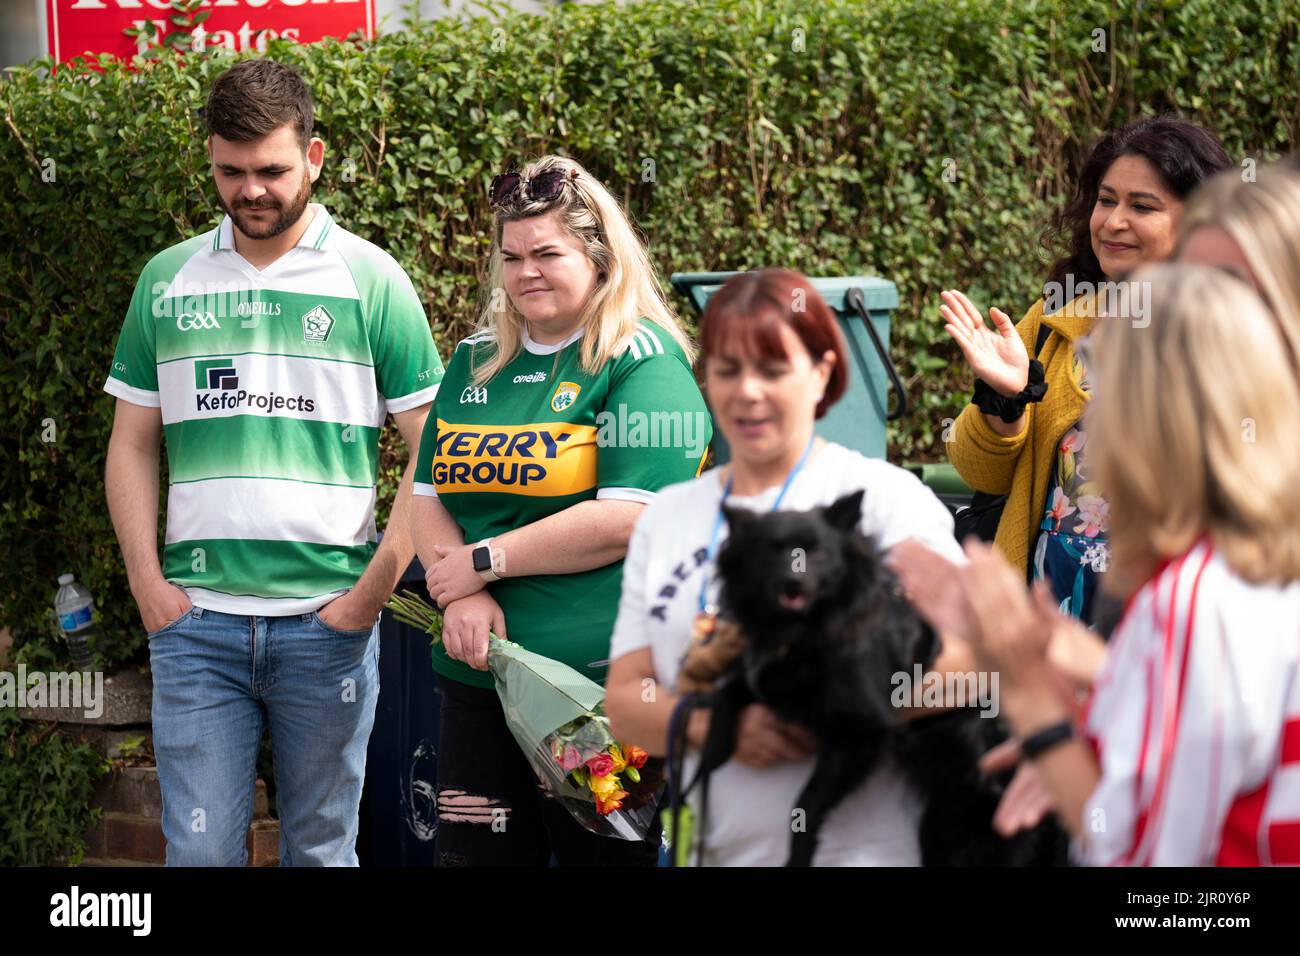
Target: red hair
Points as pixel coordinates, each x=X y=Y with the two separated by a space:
x=749 y=310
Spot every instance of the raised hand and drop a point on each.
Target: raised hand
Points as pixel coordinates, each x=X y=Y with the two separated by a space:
x=996 y=355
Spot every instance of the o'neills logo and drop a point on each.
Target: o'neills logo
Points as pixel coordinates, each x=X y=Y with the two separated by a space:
x=217 y=382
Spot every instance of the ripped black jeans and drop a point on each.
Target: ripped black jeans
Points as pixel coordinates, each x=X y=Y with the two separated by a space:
x=491 y=810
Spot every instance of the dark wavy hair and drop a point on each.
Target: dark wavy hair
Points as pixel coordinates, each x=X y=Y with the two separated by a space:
x=1184 y=155
x=257 y=97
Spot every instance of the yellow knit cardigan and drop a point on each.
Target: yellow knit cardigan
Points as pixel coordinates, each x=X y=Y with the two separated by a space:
x=1021 y=467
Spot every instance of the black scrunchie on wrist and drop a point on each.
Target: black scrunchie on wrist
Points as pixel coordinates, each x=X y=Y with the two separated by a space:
x=1009 y=409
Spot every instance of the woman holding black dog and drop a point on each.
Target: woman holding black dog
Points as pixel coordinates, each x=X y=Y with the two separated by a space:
x=1021 y=435
x=770 y=371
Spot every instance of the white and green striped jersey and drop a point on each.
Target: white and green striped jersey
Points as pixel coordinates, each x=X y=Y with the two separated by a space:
x=273 y=387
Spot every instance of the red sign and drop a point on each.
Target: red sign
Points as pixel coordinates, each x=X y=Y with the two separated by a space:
x=91 y=27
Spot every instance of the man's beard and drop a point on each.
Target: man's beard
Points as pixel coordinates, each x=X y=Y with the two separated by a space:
x=262 y=229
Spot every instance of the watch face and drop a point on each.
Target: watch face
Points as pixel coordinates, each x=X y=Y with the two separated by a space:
x=482 y=559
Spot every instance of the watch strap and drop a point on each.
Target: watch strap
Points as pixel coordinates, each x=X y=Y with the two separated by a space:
x=1041 y=741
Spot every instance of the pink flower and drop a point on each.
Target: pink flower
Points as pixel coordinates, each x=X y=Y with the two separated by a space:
x=1094 y=516
x=1060 y=507
x=570 y=759
x=601 y=765
x=1073 y=442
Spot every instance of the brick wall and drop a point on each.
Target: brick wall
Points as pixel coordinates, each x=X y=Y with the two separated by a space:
x=129 y=832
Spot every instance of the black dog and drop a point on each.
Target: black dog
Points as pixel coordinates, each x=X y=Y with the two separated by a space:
x=828 y=628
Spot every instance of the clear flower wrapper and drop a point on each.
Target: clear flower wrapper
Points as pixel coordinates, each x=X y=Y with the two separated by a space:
x=557 y=716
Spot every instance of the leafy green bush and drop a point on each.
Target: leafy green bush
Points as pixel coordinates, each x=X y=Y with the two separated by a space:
x=809 y=133
x=47 y=780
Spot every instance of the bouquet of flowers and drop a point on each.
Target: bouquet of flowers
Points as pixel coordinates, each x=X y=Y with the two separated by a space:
x=557 y=717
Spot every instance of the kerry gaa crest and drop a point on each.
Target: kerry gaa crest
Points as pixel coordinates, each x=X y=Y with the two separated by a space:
x=566 y=393
x=316 y=325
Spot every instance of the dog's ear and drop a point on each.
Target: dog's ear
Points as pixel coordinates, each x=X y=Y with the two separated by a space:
x=845 y=513
x=738 y=519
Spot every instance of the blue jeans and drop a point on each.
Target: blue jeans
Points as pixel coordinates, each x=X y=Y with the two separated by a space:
x=216 y=679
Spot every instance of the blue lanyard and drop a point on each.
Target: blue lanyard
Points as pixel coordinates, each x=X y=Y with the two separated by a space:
x=717 y=521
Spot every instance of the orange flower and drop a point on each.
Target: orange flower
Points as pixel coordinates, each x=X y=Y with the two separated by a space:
x=635 y=756
x=607 y=805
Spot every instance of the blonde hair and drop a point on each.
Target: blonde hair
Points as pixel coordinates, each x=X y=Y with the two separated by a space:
x=1263 y=218
x=1196 y=421
x=627 y=285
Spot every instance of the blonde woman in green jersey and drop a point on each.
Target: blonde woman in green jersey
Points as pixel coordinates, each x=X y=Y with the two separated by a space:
x=558 y=420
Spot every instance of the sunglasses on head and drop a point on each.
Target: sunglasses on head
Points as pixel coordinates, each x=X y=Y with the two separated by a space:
x=541 y=188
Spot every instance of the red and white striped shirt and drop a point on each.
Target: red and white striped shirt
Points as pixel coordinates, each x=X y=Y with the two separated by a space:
x=1195 y=721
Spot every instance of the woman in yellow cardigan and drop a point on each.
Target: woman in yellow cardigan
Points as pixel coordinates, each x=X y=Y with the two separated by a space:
x=1021 y=434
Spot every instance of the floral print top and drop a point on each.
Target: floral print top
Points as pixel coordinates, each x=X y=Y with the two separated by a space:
x=1072 y=547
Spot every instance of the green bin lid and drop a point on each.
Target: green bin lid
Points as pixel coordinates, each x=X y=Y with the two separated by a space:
x=879 y=295
x=857 y=420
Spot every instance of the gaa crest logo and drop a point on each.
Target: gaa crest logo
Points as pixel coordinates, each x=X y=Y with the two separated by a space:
x=566 y=393
x=316 y=325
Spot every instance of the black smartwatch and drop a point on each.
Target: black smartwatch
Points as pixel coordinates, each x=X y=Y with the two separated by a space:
x=483 y=560
x=1044 y=740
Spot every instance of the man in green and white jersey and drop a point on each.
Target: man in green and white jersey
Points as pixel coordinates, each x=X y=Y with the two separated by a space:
x=268 y=353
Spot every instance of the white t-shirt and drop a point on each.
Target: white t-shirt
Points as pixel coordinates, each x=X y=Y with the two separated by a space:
x=750 y=809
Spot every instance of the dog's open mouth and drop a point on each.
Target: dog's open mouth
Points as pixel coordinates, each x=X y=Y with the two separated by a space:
x=792 y=601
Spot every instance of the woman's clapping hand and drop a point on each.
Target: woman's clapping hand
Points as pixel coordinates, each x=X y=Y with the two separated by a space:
x=997 y=355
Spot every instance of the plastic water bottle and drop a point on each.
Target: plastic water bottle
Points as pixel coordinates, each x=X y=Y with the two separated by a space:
x=72 y=605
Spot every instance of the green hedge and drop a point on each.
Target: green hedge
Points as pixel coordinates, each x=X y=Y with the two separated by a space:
x=809 y=133
x=47 y=779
